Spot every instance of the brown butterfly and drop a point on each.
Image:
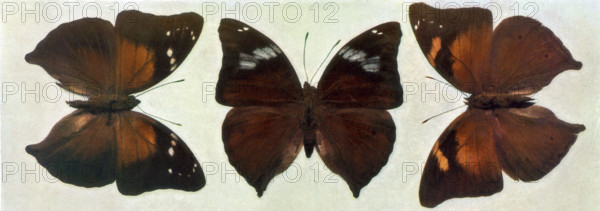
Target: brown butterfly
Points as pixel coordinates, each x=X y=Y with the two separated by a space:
x=344 y=117
x=103 y=140
x=501 y=129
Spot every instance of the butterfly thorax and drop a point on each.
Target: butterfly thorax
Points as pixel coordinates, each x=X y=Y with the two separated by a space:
x=309 y=124
x=491 y=101
x=106 y=103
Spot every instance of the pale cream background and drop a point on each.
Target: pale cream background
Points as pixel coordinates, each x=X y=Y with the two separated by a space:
x=572 y=96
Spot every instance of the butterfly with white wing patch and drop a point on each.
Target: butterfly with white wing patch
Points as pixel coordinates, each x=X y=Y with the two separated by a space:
x=103 y=140
x=344 y=118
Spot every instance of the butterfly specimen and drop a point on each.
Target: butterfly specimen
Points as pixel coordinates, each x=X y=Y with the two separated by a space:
x=103 y=140
x=344 y=117
x=501 y=129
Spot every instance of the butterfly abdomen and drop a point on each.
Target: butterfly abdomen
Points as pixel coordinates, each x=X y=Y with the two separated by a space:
x=105 y=104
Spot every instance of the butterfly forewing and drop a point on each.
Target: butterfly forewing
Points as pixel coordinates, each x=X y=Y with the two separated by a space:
x=150 y=47
x=80 y=55
x=364 y=72
x=456 y=42
x=526 y=56
x=255 y=70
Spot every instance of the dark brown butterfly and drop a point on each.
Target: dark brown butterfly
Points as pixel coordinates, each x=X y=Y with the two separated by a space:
x=344 y=117
x=501 y=129
x=103 y=140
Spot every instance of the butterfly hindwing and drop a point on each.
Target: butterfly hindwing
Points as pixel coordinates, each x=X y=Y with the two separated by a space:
x=150 y=47
x=355 y=143
x=255 y=71
x=532 y=141
x=150 y=156
x=456 y=42
x=526 y=56
x=262 y=142
x=92 y=150
x=463 y=161
x=364 y=72
x=80 y=55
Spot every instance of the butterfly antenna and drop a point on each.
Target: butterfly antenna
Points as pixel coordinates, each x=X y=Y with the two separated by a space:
x=447 y=84
x=304 y=56
x=441 y=114
x=177 y=81
x=336 y=43
x=175 y=123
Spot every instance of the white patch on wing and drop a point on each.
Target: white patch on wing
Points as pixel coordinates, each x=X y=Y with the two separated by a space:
x=171 y=151
x=172 y=61
x=247 y=65
x=170 y=52
x=173 y=67
x=265 y=53
x=354 y=55
x=170 y=171
x=173 y=143
x=372 y=64
x=168 y=33
x=174 y=136
x=247 y=61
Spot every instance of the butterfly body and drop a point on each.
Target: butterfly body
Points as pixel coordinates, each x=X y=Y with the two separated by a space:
x=489 y=101
x=309 y=123
x=106 y=104
x=343 y=117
